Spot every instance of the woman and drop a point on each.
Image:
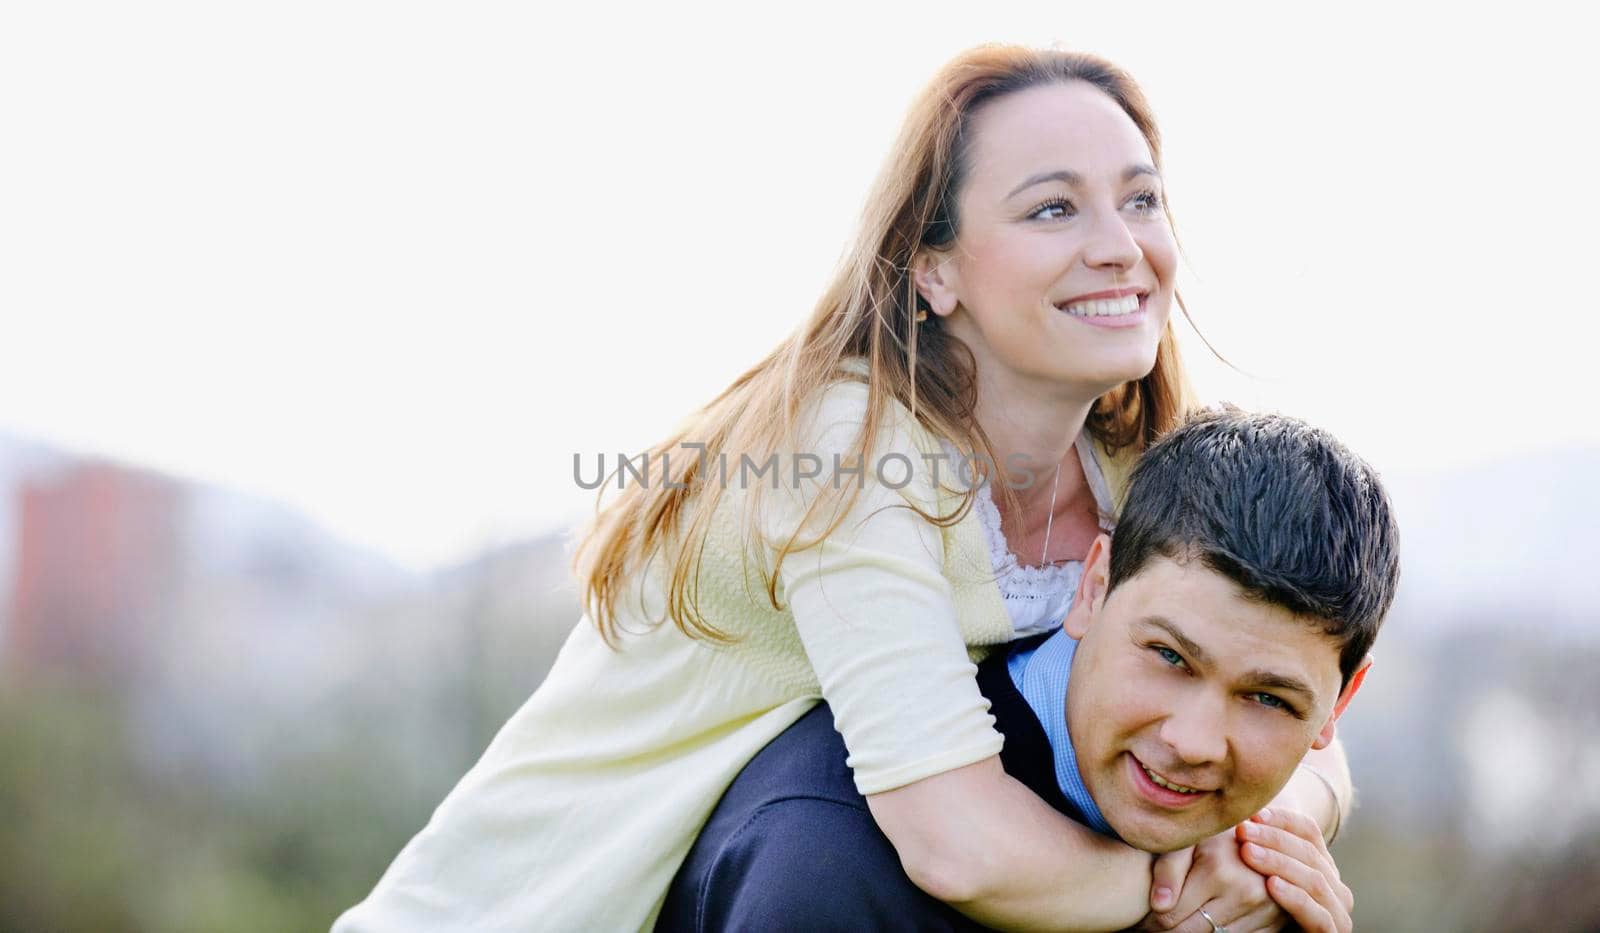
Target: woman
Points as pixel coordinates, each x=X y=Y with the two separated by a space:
x=1004 y=310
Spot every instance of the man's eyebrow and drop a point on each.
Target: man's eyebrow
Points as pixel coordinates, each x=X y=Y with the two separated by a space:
x=1191 y=649
x=1073 y=178
x=1257 y=677
x=1261 y=678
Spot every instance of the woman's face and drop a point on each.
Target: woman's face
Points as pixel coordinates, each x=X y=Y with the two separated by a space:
x=1061 y=275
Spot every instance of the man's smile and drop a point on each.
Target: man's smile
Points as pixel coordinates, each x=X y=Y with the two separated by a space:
x=1158 y=790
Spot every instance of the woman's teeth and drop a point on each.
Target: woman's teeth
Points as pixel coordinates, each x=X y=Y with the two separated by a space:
x=1103 y=307
x=1160 y=782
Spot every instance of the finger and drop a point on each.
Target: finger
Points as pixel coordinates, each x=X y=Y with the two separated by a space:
x=1239 y=888
x=1220 y=882
x=1292 y=845
x=1325 y=890
x=1197 y=923
x=1174 y=922
x=1157 y=923
x=1241 y=913
x=1167 y=877
x=1295 y=822
x=1312 y=916
x=1295 y=851
x=1268 y=918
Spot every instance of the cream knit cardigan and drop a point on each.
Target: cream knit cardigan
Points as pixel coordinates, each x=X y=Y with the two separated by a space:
x=586 y=802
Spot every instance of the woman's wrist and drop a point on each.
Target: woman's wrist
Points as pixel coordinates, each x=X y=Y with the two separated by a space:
x=1311 y=792
x=1328 y=833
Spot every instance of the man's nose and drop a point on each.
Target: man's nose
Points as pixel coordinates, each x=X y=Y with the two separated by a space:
x=1197 y=731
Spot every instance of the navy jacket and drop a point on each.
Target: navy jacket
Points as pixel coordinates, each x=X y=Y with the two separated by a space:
x=792 y=846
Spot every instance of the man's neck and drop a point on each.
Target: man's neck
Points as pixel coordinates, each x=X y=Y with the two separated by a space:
x=1042 y=674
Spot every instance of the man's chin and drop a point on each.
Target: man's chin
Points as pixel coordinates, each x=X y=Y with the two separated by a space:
x=1161 y=848
x=1162 y=839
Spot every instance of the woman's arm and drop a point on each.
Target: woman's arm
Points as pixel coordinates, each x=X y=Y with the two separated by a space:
x=876 y=616
x=1320 y=788
x=982 y=842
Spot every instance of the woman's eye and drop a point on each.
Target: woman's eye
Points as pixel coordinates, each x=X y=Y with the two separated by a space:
x=1053 y=209
x=1146 y=202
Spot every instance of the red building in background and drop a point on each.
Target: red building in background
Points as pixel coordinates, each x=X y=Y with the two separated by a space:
x=97 y=560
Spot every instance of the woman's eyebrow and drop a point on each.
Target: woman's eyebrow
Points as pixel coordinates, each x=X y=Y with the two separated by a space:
x=1074 y=179
x=1067 y=175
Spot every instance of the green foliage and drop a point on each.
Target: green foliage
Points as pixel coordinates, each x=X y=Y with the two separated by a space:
x=94 y=843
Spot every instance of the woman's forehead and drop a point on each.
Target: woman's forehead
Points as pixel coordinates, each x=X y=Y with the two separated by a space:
x=1072 y=127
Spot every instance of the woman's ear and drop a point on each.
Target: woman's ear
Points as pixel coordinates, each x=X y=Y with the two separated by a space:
x=935 y=278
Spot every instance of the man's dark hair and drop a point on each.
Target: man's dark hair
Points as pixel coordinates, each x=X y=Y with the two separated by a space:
x=1279 y=507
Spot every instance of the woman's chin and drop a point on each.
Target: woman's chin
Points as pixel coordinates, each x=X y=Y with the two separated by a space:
x=1112 y=374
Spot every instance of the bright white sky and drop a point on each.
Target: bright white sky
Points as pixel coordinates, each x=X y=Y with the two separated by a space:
x=395 y=263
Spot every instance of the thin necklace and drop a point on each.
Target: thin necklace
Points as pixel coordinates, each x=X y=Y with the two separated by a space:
x=1050 y=517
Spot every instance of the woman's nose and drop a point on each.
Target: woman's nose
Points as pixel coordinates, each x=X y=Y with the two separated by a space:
x=1111 y=245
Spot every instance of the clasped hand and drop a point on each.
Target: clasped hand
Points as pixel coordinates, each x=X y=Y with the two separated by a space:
x=1261 y=875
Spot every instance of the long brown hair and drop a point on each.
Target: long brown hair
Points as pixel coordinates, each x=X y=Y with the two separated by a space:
x=869 y=311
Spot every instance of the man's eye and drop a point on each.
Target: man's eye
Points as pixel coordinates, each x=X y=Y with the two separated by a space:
x=1273 y=702
x=1169 y=656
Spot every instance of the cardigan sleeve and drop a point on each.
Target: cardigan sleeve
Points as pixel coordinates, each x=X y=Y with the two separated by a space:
x=873 y=605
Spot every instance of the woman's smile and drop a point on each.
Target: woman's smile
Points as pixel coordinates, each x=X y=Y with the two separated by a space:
x=1123 y=307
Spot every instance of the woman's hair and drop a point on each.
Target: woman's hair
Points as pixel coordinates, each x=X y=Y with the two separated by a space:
x=869 y=311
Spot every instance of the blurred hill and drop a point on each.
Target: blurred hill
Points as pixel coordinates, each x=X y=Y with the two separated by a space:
x=214 y=715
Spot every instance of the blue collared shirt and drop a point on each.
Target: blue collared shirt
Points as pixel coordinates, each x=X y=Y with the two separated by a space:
x=1040 y=674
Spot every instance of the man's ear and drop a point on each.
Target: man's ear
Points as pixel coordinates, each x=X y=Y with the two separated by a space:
x=1092 y=590
x=935 y=277
x=1325 y=737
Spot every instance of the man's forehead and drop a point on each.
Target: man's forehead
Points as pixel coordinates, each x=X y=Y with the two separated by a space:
x=1239 y=636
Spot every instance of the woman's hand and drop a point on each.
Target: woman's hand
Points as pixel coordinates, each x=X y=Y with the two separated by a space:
x=1261 y=875
x=1211 y=876
x=1302 y=878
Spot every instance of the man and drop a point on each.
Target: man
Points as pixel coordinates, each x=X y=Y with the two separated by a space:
x=1207 y=651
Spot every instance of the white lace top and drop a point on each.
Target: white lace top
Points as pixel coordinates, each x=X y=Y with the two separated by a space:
x=1037 y=598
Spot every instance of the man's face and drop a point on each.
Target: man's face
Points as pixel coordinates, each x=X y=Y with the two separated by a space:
x=1181 y=679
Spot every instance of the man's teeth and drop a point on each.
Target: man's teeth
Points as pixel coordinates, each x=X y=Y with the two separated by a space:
x=1160 y=782
x=1104 y=307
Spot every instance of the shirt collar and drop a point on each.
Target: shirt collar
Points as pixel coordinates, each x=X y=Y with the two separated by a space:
x=1041 y=674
